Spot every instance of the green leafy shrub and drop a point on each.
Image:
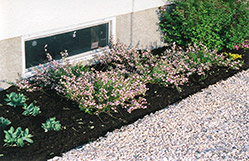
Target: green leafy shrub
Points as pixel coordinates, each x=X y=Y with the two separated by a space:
x=217 y=24
x=4 y=122
x=17 y=137
x=51 y=124
x=31 y=110
x=14 y=99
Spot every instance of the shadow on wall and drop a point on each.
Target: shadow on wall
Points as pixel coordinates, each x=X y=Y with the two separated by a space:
x=4 y=84
x=151 y=46
x=168 y=6
x=131 y=27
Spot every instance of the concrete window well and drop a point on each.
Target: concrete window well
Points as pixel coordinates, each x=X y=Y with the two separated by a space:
x=82 y=27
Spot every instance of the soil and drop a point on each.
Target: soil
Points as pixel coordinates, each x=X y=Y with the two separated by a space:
x=79 y=128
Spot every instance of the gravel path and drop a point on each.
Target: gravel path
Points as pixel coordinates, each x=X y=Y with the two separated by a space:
x=209 y=125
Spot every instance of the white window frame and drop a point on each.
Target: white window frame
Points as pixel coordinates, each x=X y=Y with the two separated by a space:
x=79 y=57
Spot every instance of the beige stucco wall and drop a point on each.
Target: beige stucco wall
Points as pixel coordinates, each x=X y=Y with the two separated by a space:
x=139 y=29
x=10 y=60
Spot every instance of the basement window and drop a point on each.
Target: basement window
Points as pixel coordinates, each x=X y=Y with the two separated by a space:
x=75 y=42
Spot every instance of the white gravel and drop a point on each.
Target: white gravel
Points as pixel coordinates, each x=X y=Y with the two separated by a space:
x=209 y=125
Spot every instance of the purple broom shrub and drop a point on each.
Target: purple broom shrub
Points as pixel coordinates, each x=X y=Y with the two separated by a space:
x=125 y=84
x=98 y=92
x=172 y=68
x=176 y=65
x=130 y=60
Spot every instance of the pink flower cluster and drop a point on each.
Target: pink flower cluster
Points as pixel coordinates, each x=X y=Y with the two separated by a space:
x=244 y=45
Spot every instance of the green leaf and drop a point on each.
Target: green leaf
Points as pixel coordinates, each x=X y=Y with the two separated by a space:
x=7 y=135
x=16 y=137
x=11 y=130
x=51 y=124
x=28 y=140
x=20 y=142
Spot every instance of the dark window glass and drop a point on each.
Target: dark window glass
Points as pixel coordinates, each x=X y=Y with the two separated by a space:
x=74 y=42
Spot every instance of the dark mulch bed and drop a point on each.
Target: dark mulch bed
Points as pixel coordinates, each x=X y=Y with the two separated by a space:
x=79 y=125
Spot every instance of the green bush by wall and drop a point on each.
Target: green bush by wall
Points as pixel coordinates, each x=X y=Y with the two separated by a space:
x=217 y=24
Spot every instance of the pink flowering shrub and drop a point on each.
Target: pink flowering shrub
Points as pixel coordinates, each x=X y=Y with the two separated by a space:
x=98 y=92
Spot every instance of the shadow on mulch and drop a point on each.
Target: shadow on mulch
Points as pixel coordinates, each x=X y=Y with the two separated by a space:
x=80 y=128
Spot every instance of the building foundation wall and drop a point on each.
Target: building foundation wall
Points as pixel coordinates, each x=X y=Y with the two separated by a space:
x=139 y=29
x=10 y=60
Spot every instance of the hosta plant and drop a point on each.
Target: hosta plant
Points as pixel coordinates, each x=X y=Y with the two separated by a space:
x=17 y=137
x=14 y=99
x=51 y=124
x=31 y=110
x=4 y=122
